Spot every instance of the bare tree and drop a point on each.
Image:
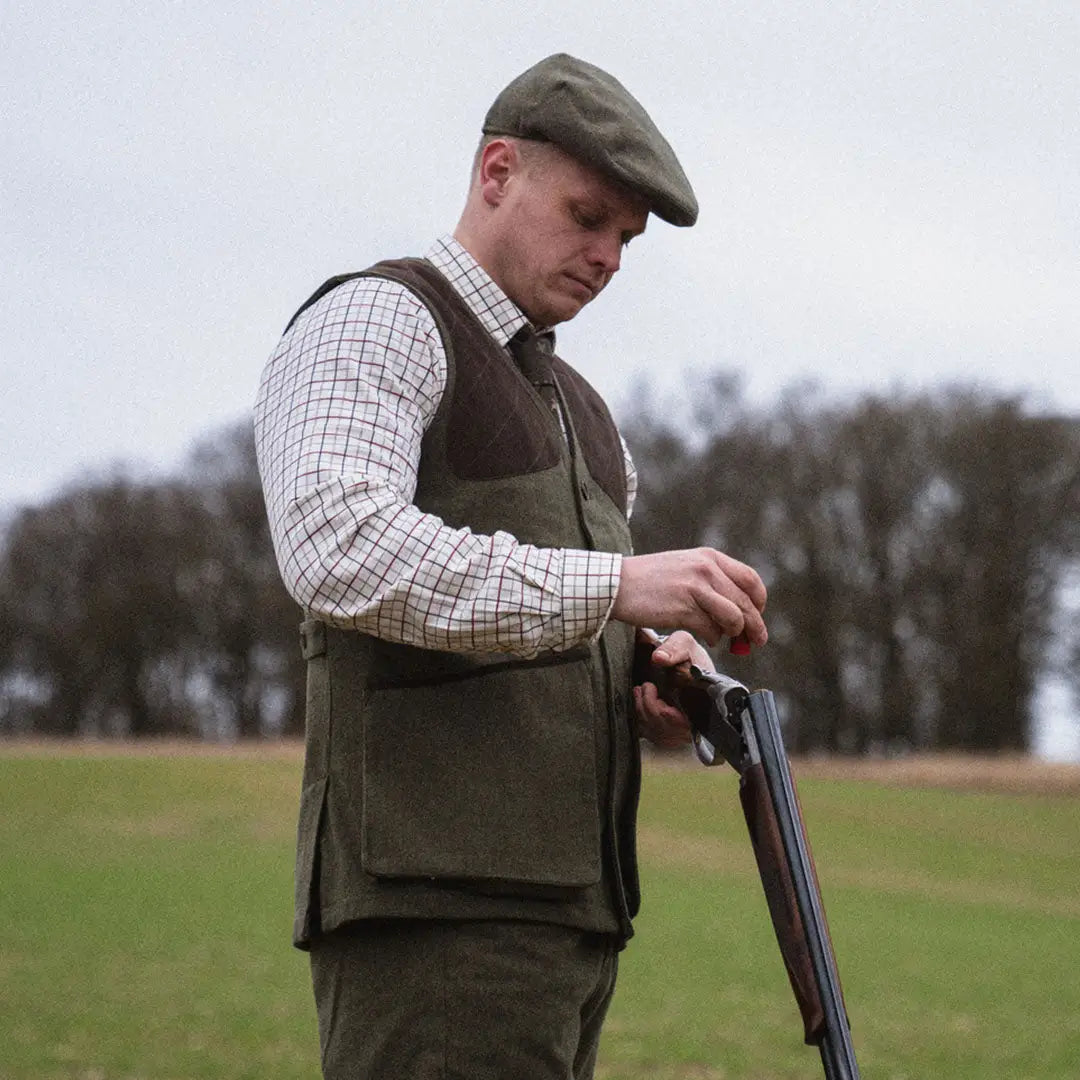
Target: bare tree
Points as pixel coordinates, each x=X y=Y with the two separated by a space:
x=149 y=608
x=1010 y=528
x=89 y=587
x=912 y=548
x=248 y=625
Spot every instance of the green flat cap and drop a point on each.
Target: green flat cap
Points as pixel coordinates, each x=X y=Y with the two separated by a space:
x=594 y=118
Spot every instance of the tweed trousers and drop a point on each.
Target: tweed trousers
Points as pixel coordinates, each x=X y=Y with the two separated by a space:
x=411 y=999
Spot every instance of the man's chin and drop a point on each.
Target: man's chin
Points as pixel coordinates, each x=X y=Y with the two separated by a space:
x=559 y=310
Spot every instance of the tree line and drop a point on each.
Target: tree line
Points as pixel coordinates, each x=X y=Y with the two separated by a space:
x=915 y=549
x=136 y=608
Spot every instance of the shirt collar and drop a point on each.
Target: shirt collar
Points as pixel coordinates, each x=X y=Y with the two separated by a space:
x=500 y=316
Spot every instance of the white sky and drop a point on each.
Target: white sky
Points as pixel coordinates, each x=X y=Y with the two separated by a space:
x=890 y=196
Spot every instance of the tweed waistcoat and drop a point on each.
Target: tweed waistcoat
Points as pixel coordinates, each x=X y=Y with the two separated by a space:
x=453 y=785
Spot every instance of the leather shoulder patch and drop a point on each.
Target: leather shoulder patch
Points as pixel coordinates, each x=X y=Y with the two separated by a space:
x=497 y=426
x=597 y=435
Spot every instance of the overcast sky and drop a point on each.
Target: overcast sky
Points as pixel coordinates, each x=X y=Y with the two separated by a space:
x=890 y=196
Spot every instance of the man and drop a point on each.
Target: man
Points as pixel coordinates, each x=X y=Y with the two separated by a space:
x=449 y=504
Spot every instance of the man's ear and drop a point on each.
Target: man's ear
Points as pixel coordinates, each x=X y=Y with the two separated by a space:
x=499 y=161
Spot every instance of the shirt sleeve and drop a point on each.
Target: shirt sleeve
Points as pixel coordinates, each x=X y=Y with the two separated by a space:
x=341 y=411
x=631 y=478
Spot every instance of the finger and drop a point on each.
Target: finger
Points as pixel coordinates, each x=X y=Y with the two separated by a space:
x=648 y=726
x=666 y=730
x=647 y=697
x=746 y=578
x=656 y=709
x=721 y=616
x=733 y=611
x=754 y=628
x=677 y=648
x=741 y=585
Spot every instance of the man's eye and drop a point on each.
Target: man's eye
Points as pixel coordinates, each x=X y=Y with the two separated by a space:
x=587 y=220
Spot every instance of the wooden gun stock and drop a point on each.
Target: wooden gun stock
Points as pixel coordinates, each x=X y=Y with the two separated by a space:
x=775 y=873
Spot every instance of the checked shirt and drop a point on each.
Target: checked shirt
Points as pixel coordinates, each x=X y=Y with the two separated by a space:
x=341 y=410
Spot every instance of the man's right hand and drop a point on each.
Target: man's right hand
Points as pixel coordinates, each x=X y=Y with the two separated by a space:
x=700 y=590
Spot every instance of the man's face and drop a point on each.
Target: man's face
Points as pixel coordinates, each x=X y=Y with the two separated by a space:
x=561 y=230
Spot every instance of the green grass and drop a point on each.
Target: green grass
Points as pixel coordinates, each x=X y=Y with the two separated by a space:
x=145 y=919
x=955 y=918
x=145 y=911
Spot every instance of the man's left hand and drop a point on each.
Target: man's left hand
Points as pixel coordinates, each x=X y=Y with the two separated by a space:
x=666 y=726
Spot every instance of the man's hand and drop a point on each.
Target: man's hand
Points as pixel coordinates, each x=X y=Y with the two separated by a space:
x=664 y=725
x=700 y=590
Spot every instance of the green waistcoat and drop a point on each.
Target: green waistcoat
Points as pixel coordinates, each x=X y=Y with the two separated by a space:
x=452 y=785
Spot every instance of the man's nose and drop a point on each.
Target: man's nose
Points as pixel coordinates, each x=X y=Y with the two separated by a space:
x=606 y=252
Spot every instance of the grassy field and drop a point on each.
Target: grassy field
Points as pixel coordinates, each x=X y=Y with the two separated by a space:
x=145 y=915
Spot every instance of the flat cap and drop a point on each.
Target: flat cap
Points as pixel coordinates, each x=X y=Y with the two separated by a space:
x=594 y=118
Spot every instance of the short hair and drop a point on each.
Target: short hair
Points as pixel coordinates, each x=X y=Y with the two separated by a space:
x=534 y=153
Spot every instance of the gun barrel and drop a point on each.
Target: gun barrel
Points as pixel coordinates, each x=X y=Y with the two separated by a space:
x=742 y=727
x=834 y=1036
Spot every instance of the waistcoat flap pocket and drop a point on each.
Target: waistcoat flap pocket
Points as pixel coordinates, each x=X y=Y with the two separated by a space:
x=493 y=780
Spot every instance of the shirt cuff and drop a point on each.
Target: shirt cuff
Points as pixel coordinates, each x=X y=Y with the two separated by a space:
x=590 y=585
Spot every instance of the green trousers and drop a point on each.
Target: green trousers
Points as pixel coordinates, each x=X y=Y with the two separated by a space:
x=405 y=999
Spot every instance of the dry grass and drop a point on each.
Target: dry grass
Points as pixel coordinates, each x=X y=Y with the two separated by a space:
x=1005 y=773
x=1017 y=774
x=277 y=749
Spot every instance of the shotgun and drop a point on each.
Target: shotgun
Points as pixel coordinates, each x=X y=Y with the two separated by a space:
x=731 y=723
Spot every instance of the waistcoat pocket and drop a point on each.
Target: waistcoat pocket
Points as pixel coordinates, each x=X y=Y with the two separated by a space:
x=490 y=779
